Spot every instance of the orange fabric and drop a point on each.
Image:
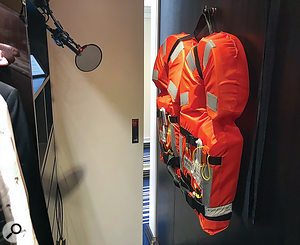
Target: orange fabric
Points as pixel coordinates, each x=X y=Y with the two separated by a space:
x=212 y=227
x=170 y=71
x=225 y=76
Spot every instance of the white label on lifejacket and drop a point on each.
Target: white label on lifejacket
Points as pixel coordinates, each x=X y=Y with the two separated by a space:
x=155 y=75
x=193 y=169
x=209 y=45
x=190 y=60
x=212 y=102
x=218 y=211
x=177 y=51
x=172 y=89
x=184 y=99
x=164 y=48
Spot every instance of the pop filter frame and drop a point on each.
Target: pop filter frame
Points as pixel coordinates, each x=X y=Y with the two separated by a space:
x=77 y=63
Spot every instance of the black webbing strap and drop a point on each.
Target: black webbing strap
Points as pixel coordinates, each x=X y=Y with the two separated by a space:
x=192 y=200
x=214 y=160
x=263 y=108
x=197 y=62
x=190 y=139
x=177 y=42
x=164 y=154
x=174 y=176
x=173 y=119
x=186 y=181
x=169 y=159
x=199 y=207
x=196 y=204
x=173 y=162
x=159 y=114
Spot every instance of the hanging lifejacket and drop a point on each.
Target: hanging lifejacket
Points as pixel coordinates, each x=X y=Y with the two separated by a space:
x=213 y=93
x=166 y=76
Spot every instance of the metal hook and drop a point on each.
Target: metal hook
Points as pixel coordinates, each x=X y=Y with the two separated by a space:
x=208 y=14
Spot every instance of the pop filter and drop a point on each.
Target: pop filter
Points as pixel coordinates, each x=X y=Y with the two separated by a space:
x=89 y=58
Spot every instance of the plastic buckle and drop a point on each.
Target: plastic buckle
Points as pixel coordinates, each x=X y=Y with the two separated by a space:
x=171 y=152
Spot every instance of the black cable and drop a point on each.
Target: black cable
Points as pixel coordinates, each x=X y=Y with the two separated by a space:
x=62 y=212
x=53 y=219
x=22 y=9
x=57 y=214
x=51 y=181
x=54 y=216
x=46 y=157
x=56 y=208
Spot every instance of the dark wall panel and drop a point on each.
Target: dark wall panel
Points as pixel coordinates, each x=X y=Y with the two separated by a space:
x=165 y=208
x=279 y=185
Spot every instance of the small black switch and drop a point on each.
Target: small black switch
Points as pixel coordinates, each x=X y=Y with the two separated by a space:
x=135 y=130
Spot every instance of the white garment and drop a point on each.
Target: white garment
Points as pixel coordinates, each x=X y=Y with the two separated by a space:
x=13 y=193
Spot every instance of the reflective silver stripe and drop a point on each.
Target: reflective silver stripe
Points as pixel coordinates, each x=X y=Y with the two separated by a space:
x=209 y=45
x=180 y=151
x=164 y=116
x=172 y=89
x=173 y=141
x=199 y=151
x=164 y=48
x=188 y=164
x=197 y=159
x=163 y=134
x=218 y=211
x=155 y=75
x=206 y=187
x=177 y=51
x=212 y=102
x=190 y=60
x=184 y=99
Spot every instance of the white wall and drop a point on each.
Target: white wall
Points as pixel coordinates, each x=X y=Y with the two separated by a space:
x=92 y=120
x=147 y=71
x=153 y=130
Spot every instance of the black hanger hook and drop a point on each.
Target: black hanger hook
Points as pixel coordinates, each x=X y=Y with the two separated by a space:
x=206 y=19
x=208 y=15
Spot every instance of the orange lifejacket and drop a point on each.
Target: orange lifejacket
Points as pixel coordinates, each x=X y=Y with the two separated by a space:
x=166 y=76
x=214 y=91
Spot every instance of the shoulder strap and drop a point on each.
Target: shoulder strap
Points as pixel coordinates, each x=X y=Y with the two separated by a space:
x=197 y=62
x=187 y=37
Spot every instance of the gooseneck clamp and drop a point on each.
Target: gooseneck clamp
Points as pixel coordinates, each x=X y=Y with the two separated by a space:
x=60 y=36
x=87 y=57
